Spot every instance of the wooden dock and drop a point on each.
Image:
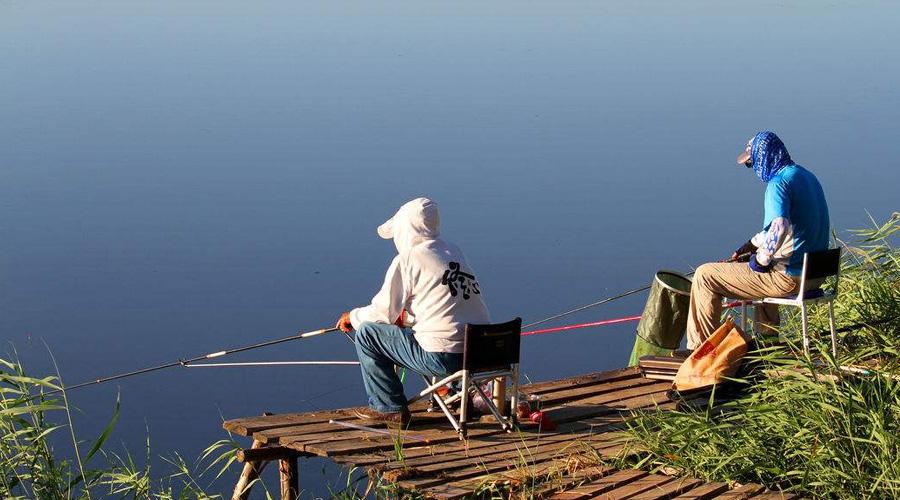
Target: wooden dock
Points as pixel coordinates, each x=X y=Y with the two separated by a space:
x=429 y=459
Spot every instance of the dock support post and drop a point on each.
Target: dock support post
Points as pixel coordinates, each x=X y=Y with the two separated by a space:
x=290 y=480
x=249 y=474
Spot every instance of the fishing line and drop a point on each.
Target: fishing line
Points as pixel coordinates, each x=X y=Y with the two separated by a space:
x=610 y=299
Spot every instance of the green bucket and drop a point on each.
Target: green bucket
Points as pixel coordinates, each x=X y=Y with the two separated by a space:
x=664 y=319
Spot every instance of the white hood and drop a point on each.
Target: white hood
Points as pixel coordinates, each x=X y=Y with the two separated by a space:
x=429 y=286
x=416 y=221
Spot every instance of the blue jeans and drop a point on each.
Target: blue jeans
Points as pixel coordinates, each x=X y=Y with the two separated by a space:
x=382 y=346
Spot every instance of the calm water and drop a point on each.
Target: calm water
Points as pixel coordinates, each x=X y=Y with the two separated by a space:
x=178 y=178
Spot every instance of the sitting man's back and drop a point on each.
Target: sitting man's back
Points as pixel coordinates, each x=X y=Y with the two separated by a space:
x=417 y=320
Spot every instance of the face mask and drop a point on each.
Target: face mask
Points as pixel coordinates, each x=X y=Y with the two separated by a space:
x=748 y=150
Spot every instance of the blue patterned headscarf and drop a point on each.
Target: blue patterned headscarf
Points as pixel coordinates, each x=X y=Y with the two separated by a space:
x=769 y=155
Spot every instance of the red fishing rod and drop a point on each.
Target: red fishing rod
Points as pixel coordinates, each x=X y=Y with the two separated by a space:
x=617 y=297
x=604 y=322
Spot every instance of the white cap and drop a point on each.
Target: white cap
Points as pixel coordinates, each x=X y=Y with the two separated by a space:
x=421 y=214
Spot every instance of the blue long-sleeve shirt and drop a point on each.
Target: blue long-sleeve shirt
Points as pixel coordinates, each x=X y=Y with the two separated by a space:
x=796 y=220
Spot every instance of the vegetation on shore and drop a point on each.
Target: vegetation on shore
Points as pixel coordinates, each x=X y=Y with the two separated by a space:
x=817 y=425
x=33 y=443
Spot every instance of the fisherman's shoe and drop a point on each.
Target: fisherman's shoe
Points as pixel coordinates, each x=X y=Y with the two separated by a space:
x=401 y=417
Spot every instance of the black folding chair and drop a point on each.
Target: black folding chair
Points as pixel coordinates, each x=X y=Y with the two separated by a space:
x=489 y=352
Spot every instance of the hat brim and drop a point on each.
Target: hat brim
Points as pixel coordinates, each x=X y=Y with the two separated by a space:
x=386 y=230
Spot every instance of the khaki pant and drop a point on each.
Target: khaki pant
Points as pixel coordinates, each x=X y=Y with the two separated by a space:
x=736 y=280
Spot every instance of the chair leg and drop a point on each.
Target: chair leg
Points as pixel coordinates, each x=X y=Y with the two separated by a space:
x=744 y=315
x=803 y=320
x=447 y=412
x=464 y=404
x=514 y=399
x=833 y=330
x=433 y=406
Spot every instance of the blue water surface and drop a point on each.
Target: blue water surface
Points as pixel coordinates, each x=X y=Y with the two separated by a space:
x=181 y=177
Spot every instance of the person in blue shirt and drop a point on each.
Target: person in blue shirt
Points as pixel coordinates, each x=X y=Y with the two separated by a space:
x=769 y=265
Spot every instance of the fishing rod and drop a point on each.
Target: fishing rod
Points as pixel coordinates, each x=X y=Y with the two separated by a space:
x=187 y=362
x=616 y=297
x=582 y=325
x=605 y=322
x=274 y=363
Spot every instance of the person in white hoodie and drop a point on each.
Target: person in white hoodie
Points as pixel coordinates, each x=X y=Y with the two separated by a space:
x=417 y=319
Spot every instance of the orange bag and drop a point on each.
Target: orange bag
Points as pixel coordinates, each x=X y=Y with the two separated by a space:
x=717 y=358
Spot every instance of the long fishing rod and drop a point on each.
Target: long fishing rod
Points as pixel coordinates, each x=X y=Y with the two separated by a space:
x=187 y=362
x=274 y=363
x=614 y=297
x=606 y=322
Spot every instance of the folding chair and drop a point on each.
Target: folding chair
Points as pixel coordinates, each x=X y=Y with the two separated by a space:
x=816 y=266
x=489 y=352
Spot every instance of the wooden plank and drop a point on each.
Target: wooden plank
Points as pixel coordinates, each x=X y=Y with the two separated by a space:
x=596 y=424
x=248 y=426
x=464 y=488
x=573 y=479
x=491 y=464
x=481 y=445
x=592 y=407
x=312 y=432
x=663 y=362
x=745 y=491
x=353 y=446
x=553 y=398
x=673 y=488
x=598 y=435
x=510 y=454
x=540 y=465
x=704 y=492
x=601 y=485
x=434 y=450
x=264 y=454
x=581 y=380
x=622 y=403
x=646 y=483
x=776 y=495
x=469 y=456
x=324 y=431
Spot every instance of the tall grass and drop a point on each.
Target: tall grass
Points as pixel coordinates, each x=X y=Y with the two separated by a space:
x=32 y=426
x=804 y=422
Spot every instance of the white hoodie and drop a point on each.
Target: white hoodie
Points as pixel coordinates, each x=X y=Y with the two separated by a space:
x=429 y=278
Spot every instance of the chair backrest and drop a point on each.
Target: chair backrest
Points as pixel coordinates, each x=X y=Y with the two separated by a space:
x=492 y=347
x=823 y=263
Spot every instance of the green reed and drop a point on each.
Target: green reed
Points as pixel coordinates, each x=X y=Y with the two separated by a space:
x=804 y=423
x=31 y=463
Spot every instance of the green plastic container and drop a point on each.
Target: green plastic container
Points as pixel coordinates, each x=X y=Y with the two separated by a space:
x=664 y=319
